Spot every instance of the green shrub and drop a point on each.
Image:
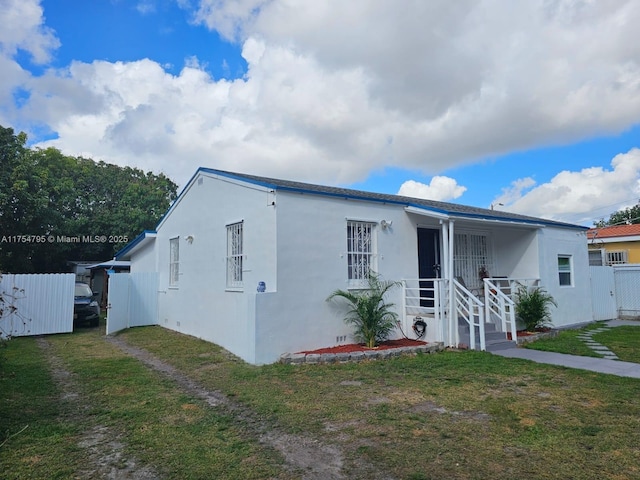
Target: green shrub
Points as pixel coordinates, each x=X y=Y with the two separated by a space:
x=369 y=313
x=532 y=307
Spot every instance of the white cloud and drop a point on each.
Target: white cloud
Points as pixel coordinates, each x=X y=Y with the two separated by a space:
x=336 y=89
x=440 y=188
x=22 y=28
x=578 y=197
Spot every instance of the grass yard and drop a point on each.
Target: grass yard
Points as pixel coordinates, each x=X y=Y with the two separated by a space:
x=624 y=341
x=454 y=415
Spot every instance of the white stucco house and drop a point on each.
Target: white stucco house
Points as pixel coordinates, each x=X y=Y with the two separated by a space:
x=228 y=236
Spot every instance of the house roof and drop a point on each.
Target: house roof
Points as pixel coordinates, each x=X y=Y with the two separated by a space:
x=411 y=204
x=615 y=232
x=450 y=209
x=136 y=244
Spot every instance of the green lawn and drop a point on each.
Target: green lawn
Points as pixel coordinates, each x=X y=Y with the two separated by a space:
x=624 y=341
x=454 y=415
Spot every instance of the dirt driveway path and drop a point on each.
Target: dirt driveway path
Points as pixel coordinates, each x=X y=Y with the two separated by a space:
x=308 y=456
x=104 y=448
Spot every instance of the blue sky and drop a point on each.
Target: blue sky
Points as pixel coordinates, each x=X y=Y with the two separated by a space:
x=534 y=108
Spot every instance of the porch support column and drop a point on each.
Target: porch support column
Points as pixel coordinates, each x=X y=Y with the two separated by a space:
x=444 y=322
x=453 y=320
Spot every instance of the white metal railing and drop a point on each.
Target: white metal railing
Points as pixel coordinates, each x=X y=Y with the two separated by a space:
x=426 y=297
x=499 y=301
x=470 y=309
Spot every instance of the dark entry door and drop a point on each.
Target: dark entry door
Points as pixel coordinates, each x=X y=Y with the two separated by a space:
x=428 y=262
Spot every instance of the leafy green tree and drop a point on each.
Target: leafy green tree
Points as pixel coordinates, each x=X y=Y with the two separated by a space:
x=45 y=194
x=621 y=217
x=368 y=311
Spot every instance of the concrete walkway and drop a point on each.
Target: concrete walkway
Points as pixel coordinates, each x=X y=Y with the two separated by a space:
x=602 y=365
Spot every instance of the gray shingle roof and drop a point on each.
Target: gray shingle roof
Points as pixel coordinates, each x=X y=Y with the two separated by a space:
x=451 y=209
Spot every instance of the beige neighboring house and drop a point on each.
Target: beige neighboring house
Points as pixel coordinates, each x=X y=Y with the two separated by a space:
x=614 y=245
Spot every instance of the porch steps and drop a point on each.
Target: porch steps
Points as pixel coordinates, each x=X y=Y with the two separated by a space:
x=494 y=339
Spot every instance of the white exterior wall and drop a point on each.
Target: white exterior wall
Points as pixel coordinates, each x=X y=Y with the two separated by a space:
x=145 y=259
x=312 y=241
x=574 y=302
x=516 y=252
x=201 y=305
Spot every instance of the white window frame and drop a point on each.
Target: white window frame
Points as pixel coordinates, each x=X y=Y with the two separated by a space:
x=564 y=270
x=361 y=252
x=174 y=261
x=235 y=255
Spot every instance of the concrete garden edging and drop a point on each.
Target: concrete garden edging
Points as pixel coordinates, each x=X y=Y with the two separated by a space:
x=314 y=358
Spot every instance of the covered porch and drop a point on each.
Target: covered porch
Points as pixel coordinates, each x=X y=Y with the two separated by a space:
x=468 y=272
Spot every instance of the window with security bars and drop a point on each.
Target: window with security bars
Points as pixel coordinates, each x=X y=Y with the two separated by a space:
x=174 y=261
x=616 y=257
x=472 y=251
x=234 y=255
x=360 y=251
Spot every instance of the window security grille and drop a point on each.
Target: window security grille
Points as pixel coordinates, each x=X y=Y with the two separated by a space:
x=471 y=252
x=616 y=257
x=234 y=255
x=174 y=261
x=360 y=250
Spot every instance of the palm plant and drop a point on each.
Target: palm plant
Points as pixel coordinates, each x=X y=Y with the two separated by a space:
x=368 y=312
x=532 y=307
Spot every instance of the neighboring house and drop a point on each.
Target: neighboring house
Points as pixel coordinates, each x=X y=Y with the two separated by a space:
x=248 y=262
x=614 y=245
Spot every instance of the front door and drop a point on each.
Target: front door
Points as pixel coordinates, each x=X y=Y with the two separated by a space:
x=428 y=263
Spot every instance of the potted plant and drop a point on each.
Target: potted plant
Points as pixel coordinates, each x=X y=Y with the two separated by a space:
x=532 y=307
x=368 y=312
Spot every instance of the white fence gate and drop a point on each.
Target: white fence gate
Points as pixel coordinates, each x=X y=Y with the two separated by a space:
x=603 y=293
x=615 y=291
x=37 y=304
x=627 y=285
x=133 y=301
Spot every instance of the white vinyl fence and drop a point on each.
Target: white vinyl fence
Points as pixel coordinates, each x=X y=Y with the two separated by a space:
x=627 y=285
x=615 y=291
x=133 y=300
x=37 y=304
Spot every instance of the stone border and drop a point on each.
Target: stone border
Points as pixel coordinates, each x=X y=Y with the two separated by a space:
x=537 y=336
x=314 y=358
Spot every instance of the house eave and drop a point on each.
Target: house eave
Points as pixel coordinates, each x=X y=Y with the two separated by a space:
x=142 y=240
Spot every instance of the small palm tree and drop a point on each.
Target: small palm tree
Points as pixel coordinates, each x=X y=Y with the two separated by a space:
x=532 y=307
x=369 y=313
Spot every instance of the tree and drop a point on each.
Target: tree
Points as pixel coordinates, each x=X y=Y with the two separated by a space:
x=621 y=217
x=55 y=208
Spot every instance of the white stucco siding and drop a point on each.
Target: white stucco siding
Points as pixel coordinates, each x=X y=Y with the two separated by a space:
x=574 y=301
x=515 y=250
x=144 y=259
x=312 y=263
x=201 y=304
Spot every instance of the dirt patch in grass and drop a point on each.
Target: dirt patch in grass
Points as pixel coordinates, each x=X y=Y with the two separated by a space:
x=318 y=461
x=105 y=457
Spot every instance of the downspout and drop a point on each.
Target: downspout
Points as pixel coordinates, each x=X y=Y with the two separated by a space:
x=453 y=320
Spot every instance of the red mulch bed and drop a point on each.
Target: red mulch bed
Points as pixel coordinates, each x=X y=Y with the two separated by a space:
x=525 y=333
x=360 y=347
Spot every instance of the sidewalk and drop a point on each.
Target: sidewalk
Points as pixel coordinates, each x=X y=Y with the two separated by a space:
x=601 y=365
